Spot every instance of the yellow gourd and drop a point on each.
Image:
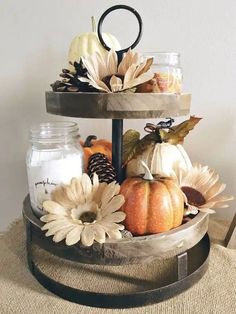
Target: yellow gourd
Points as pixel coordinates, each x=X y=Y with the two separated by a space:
x=88 y=43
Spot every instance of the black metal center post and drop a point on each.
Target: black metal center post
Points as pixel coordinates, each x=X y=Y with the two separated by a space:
x=117 y=133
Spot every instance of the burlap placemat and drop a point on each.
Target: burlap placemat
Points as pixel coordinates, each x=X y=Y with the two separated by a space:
x=21 y=293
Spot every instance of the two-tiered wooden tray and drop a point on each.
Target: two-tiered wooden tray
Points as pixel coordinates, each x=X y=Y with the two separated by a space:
x=188 y=244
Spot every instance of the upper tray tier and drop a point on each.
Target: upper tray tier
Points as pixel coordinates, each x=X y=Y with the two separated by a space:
x=118 y=106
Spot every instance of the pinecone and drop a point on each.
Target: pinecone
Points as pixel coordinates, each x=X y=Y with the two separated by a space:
x=100 y=164
x=126 y=234
x=70 y=81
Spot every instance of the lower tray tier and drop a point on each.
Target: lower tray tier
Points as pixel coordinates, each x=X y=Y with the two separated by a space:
x=125 y=251
x=118 y=286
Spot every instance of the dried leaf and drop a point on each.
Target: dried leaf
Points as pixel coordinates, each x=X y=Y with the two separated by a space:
x=133 y=146
x=177 y=133
x=147 y=141
x=130 y=140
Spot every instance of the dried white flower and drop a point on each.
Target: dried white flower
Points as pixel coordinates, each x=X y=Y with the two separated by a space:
x=201 y=187
x=106 y=75
x=84 y=212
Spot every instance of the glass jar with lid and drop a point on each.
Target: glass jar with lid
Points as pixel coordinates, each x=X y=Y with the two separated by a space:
x=55 y=156
x=168 y=76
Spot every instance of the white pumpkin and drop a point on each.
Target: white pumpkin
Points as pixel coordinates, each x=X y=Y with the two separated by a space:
x=161 y=159
x=88 y=43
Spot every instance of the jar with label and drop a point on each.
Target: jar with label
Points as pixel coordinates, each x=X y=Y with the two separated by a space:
x=55 y=157
x=168 y=75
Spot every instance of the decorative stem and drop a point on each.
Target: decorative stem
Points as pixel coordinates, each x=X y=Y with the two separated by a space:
x=94 y=26
x=88 y=140
x=159 y=139
x=153 y=129
x=147 y=174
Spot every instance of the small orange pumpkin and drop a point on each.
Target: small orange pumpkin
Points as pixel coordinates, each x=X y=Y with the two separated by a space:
x=92 y=146
x=152 y=204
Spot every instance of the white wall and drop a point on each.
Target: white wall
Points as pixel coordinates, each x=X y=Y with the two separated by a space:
x=35 y=36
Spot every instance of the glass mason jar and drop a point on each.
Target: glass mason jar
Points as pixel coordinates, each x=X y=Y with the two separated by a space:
x=168 y=75
x=55 y=156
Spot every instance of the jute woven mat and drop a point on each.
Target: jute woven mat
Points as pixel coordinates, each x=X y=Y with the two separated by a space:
x=20 y=292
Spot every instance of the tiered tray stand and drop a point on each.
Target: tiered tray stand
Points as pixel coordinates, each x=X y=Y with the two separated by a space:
x=188 y=244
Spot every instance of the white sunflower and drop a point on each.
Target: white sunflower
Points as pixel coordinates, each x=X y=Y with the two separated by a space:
x=82 y=211
x=106 y=75
x=201 y=188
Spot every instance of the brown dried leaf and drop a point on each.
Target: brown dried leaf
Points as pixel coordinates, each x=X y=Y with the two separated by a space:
x=147 y=141
x=133 y=146
x=177 y=133
x=130 y=140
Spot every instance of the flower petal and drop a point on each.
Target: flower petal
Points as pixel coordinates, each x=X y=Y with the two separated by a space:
x=95 y=183
x=61 y=234
x=54 y=229
x=224 y=198
x=211 y=182
x=207 y=210
x=91 y=65
x=54 y=223
x=84 y=79
x=220 y=205
x=74 y=235
x=114 y=234
x=59 y=196
x=115 y=203
x=216 y=189
x=50 y=217
x=54 y=208
x=116 y=84
x=128 y=59
x=87 y=235
x=139 y=80
x=109 y=191
x=144 y=67
x=97 y=196
x=129 y=75
x=111 y=62
x=76 y=189
x=86 y=187
x=70 y=195
x=115 y=217
x=207 y=205
x=106 y=225
x=102 y=65
x=100 y=234
x=100 y=85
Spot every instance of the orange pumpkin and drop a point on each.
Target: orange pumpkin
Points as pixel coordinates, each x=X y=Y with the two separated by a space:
x=92 y=146
x=152 y=205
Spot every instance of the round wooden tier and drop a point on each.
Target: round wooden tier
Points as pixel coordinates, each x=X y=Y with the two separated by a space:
x=186 y=268
x=118 y=106
x=127 y=250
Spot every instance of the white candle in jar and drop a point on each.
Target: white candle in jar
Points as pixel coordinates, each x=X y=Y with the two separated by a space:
x=54 y=157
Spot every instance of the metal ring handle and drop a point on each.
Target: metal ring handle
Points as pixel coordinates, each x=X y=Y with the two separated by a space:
x=117 y=7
